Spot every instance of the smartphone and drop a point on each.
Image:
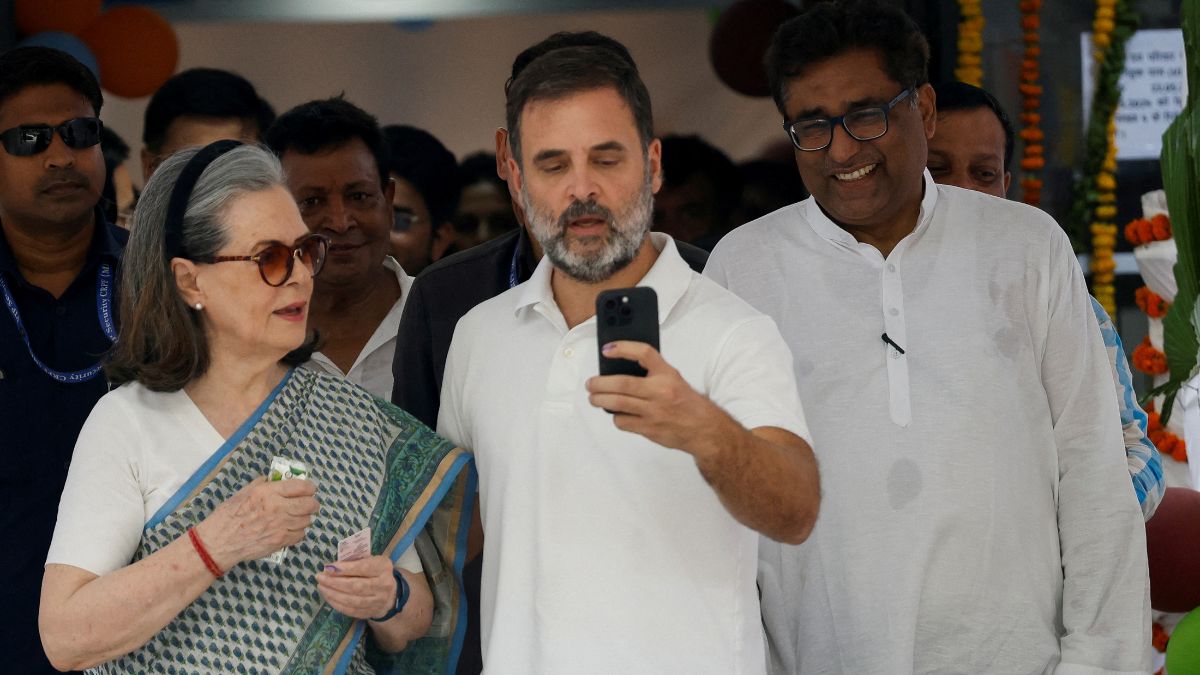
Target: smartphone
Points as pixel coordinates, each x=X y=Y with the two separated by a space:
x=626 y=314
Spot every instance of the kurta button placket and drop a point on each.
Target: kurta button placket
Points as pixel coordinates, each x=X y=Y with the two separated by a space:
x=899 y=395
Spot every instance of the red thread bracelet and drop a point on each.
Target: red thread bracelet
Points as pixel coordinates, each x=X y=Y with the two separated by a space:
x=208 y=561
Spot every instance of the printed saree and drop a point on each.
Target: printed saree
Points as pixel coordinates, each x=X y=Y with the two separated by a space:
x=374 y=465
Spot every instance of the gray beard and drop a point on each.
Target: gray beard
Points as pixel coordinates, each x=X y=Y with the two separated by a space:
x=626 y=231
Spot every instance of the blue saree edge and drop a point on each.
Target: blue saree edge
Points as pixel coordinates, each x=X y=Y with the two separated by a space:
x=464 y=460
x=206 y=468
x=360 y=627
x=460 y=561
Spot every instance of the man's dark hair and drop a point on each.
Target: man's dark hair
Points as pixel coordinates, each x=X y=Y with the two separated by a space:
x=687 y=156
x=588 y=38
x=315 y=126
x=32 y=66
x=828 y=29
x=203 y=92
x=421 y=159
x=566 y=71
x=962 y=96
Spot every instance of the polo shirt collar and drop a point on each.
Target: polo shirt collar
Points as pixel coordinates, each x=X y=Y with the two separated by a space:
x=669 y=276
x=832 y=232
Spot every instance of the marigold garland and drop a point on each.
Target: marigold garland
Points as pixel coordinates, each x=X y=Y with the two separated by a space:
x=1148 y=359
x=1145 y=231
x=1095 y=192
x=970 y=42
x=1150 y=303
x=1033 y=159
x=1167 y=443
x=1160 y=638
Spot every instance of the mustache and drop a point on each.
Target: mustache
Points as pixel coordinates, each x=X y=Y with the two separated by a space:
x=63 y=176
x=579 y=209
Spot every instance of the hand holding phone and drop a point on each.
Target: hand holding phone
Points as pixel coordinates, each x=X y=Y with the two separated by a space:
x=626 y=314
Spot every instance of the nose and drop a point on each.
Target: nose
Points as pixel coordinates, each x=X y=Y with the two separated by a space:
x=340 y=219
x=843 y=146
x=582 y=183
x=58 y=155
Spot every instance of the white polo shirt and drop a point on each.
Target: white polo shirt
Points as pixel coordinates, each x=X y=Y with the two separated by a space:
x=372 y=370
x=607 y=553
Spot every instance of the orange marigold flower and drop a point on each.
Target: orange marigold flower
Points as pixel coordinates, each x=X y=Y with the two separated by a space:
x=1148 y=359
x=1029 y=22
x=1133 y=232
x=1150 y=303
x=1160 y=638
x=1033 y=163
x=1160 y=226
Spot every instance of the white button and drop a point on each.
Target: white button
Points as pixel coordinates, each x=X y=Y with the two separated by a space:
x=891 y=267
x=568 y=352
x=895 y=354
x=893 y=311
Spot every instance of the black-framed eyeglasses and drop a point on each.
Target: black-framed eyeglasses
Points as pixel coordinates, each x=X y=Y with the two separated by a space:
x=30 y=139
x=276 y=261
x=403 y=220
x=864 y=124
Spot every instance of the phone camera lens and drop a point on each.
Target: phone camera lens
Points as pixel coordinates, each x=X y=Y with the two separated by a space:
x=610 y=304
x=612 y=321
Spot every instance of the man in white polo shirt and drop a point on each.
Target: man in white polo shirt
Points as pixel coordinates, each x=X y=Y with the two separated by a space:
x=619 y=543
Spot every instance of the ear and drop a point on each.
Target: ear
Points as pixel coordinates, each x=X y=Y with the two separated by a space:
x=389 y=192
x=443 y=236
x=515 y=180
x=186 y=281
x=502 y=153
x=1007 y=181
x=654 y=159
x=147 y=164
x=927 y=104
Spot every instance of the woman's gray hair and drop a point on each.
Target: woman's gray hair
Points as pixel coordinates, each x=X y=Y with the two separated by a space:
x=162 y=341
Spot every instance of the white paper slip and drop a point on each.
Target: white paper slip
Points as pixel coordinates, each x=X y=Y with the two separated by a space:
x=357 y=545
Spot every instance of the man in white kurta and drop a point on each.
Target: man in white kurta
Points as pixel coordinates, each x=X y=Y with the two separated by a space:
x=976 y=513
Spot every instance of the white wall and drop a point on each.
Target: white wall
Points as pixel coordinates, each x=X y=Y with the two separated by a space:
x=449 y=77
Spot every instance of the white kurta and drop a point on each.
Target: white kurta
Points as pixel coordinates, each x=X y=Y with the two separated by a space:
x=372 y=370
x=976 y=513
x=607 y=553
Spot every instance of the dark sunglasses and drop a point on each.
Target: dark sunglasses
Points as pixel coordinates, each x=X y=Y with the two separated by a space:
x=276 y=262
x=30 y=139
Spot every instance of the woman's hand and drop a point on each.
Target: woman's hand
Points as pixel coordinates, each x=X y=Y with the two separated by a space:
x=260 y=519
x=360 y=589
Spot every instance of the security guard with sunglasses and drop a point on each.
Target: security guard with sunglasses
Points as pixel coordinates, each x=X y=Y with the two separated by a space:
x=59 y=267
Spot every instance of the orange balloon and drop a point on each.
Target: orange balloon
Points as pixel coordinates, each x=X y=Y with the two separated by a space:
x=136 y=48
x=67 y=16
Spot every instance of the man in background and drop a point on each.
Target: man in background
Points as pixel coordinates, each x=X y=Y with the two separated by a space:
x=59 y=270
x=335 y=160
x=199 y=106
x=426 y=181
x=700 y=194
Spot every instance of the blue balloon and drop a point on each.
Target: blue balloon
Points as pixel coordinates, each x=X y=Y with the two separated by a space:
x=64 y=42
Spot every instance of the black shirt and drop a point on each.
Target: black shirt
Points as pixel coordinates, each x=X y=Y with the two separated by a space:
x=40 y=419
x=441 y=295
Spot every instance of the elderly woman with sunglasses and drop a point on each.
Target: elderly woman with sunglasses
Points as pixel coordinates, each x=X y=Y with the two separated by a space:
x=162 y=556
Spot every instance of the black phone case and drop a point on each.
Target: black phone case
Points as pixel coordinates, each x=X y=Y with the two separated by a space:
x=626 y=314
